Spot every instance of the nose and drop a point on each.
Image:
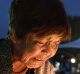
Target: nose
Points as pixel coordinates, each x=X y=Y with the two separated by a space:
x=46 y=51
x=46 y=47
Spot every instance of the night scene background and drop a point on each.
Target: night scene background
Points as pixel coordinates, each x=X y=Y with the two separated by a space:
x=68 y=61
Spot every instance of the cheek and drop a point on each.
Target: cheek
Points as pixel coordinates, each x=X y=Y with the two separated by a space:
x=53 y=52
x=35 y=51
x=31 y=53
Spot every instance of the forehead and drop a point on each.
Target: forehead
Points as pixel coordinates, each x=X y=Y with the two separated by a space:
x=54 y=38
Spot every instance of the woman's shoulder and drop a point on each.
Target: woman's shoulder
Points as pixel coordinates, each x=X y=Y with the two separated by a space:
x=5 y=57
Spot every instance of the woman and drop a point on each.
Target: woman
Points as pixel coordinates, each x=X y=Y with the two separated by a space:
x=36 y=29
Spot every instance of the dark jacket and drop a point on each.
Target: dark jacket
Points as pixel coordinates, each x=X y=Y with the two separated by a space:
x=5 y=57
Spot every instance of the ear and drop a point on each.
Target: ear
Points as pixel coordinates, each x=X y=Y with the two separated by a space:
x=13 y=38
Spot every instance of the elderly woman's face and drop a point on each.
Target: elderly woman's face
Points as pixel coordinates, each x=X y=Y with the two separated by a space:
x=38 y=50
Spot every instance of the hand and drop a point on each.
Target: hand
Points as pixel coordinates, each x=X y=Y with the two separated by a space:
x=19 y=67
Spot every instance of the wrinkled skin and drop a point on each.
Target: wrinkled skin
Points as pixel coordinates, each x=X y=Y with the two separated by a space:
x=38 y=50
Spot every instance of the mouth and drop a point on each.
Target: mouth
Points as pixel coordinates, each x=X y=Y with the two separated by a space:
x=38 y=59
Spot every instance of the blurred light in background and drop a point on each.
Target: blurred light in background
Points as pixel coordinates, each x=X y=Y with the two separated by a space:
x=73 y=60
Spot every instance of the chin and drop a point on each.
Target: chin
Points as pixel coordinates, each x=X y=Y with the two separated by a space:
x=33 y=66
x=34 y=63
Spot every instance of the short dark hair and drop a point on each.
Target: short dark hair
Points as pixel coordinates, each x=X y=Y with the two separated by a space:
x=42 y=17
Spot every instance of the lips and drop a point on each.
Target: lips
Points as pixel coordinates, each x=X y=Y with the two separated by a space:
x=38 y=59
